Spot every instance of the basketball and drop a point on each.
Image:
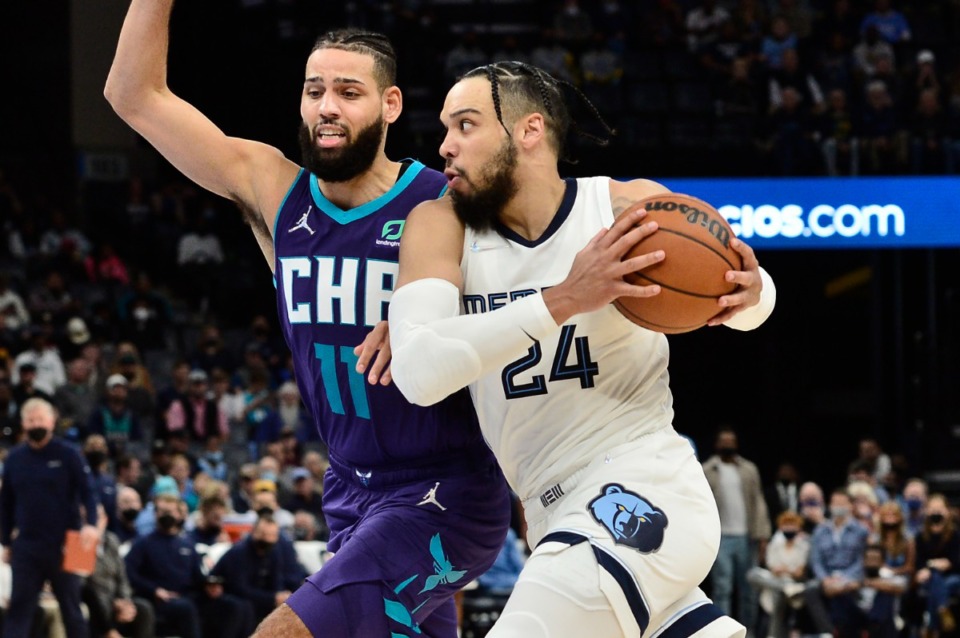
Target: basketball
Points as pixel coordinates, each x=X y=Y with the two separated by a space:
x=695 y=239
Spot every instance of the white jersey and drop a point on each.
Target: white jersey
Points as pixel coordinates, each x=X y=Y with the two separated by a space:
x=599 y=382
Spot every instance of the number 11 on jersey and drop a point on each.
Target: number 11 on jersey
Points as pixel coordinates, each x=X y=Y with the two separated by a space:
x=326 y=353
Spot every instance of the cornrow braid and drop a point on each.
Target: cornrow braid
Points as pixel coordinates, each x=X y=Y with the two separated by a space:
x=602 y=141
x=495 y=91
x=518 y=88
x=544 y=95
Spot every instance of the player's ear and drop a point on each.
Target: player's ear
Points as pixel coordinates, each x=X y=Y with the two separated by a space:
x=392 y=104
x=534 y=129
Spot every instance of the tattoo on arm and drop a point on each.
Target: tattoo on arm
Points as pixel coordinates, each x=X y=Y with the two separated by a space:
x=621 y=203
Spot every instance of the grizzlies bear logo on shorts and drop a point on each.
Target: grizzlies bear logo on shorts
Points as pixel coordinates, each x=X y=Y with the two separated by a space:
x=630 y=518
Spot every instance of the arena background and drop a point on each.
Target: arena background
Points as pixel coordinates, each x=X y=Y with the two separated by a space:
x=863 y=341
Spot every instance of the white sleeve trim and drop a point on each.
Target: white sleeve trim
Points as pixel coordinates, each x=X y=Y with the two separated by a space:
x=755 y=315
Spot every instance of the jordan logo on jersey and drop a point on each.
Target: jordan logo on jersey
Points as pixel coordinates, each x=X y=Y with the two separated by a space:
x=302 y=222
x=631 y=519
x=431 y=498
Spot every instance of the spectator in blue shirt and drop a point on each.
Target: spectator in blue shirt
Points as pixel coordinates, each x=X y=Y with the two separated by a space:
x=503 y=574
x=836 y=560
x=891 y=24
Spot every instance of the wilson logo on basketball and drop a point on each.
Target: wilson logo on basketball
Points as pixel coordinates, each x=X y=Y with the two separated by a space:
x=716 y=227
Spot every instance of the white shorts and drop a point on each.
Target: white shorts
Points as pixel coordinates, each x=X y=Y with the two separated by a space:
x=621 y=548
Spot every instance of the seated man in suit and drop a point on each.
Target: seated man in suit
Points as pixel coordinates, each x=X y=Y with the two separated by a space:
x=254 y=570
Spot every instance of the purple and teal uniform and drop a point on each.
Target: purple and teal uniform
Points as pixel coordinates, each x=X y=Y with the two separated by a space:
x=416 y=504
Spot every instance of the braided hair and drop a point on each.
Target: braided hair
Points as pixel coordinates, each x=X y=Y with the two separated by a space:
x=376 y=45
x=518 y=88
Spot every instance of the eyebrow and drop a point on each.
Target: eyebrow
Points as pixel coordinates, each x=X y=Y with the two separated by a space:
x=316 y=79
x=462 y=111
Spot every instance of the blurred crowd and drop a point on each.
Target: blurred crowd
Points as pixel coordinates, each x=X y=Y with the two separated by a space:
x=781 y=87
x=877 y=556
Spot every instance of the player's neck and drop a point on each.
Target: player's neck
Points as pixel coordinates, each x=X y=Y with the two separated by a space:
x=532 y=209
x=365 y=187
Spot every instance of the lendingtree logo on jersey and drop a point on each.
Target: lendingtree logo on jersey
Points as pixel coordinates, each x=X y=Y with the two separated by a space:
x=390 y=235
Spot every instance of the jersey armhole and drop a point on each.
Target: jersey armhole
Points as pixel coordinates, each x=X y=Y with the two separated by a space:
x=276 y=220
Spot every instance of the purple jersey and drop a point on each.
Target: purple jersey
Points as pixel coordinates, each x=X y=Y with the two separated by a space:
x=335 y=273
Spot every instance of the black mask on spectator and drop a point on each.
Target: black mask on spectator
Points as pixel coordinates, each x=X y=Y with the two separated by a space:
x=167 y=522
x=96 y=457
x=299 y=534
x=727 y=452
x=129 y=514
x=36 y=434
x=871 y=572
x=935 y=518
x=214 y=530
x=889 y=527
x=790 y=534
x=262 y=546
x=264 y=511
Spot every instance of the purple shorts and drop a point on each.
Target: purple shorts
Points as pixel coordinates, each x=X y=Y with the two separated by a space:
x=404 y=542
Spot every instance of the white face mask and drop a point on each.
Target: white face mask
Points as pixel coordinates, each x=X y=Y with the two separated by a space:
x=141 y=313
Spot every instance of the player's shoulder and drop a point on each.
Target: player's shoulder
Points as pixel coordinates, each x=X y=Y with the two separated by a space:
x=429 y=182
x=435 y=213
x=624 y=194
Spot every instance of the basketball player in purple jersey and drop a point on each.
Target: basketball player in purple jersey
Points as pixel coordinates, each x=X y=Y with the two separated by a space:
x=416 y=504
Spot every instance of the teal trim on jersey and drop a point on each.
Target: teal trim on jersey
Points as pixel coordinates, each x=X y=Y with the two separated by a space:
x=276 y=220
x=443 y=191
x=344 y=217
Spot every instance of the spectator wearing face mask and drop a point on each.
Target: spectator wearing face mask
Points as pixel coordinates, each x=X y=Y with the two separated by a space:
x=108 y=595
x=209 y=527
x=45 y=481
x=899 y=550
x=913 y=502
x=811 y=506
x=129 y=506
x=254 y=570
x=786 y=567
x=114 y=419
x=938 y=571
x=212 y=462
x=165 y=568
x=836 y=560
x=878 y=601
x=744 y=525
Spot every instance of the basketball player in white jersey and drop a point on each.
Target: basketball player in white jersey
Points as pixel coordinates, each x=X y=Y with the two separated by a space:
x=572 y=397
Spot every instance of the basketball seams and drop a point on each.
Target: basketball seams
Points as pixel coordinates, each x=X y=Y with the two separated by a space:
x=653 y=325
x=702 y=243
x=694 y=260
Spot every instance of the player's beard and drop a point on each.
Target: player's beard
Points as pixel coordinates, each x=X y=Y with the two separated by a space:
x=345 y=162
x=479 y=209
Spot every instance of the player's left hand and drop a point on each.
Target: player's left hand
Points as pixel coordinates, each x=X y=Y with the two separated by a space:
x=749 y=285
x=376 y=343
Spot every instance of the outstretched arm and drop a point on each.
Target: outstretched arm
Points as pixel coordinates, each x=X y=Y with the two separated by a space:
x=254 y=175
x=437 y=351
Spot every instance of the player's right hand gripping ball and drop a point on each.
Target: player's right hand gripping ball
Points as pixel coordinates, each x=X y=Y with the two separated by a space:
x=695 y=239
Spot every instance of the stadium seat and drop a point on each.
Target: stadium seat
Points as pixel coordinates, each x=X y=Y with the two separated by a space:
x=311 y=554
